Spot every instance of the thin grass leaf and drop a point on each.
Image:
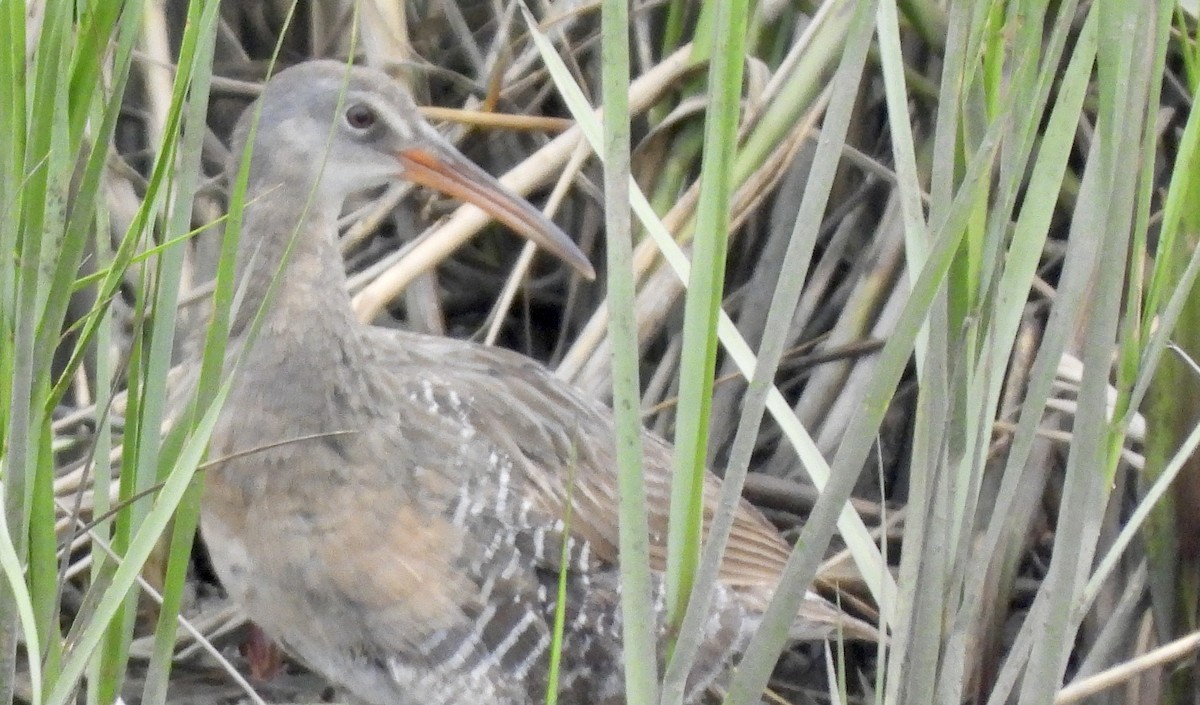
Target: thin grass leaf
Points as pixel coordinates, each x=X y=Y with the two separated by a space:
x=783 y=307
x=10 y=567
x=192 y=85
x=705 y=289
x=156 y=520
x=638 y=619
x=560 y=604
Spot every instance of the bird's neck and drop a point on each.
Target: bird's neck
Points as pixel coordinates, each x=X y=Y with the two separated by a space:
x=289 y=266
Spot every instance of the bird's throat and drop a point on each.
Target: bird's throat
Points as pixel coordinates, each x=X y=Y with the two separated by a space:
x=291 y=287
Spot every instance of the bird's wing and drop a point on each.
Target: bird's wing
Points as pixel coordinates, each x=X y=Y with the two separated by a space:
x=562 y=445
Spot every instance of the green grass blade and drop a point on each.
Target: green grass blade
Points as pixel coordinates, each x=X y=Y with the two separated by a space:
x=704 y=294
x=783 y=306
x=178 y=481
x=638 y=623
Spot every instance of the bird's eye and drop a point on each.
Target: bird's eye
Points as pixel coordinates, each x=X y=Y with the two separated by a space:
x=360 y=116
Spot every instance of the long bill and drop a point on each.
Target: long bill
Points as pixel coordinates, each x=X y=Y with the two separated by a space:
x=445 y=169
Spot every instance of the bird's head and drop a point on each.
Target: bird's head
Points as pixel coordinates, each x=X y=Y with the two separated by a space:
x=349 y=128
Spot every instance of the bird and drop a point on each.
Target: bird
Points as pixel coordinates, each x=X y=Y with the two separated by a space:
x=389 y=506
